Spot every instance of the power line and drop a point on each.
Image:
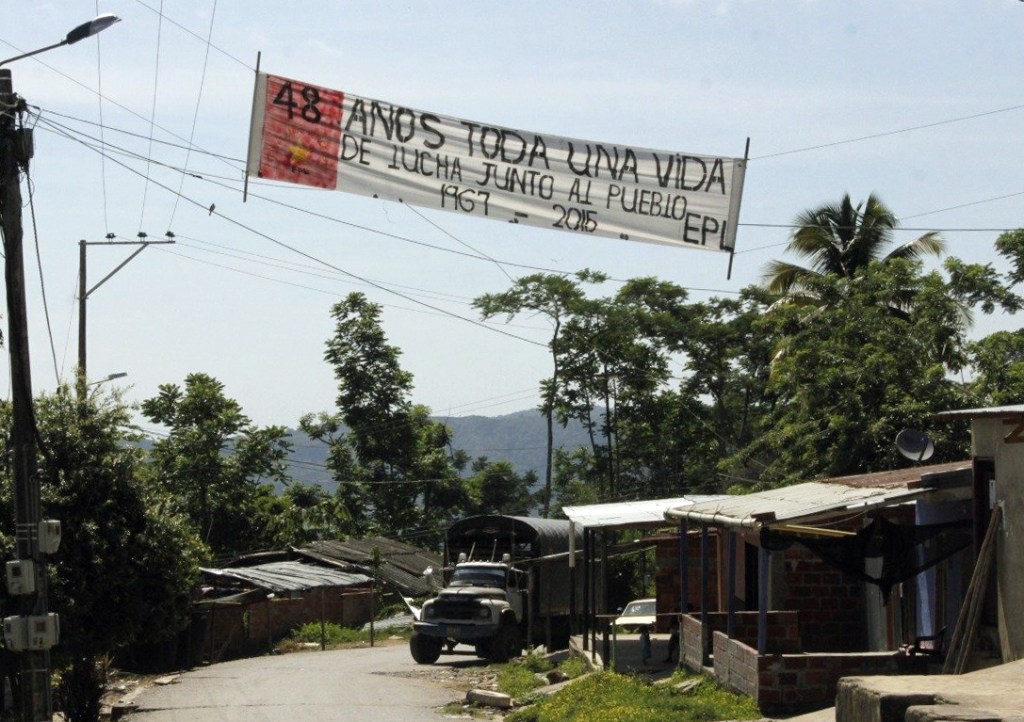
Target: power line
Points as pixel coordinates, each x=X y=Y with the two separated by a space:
x=874 y=136
x=152 y=116
x=191 y=147
x=198 y=37
x=320 y=261
x=99 y=102
x=39 y=263
x=195 y=114
x=109 y=100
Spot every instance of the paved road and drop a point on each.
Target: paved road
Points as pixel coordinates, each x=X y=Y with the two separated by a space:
x=355 y=685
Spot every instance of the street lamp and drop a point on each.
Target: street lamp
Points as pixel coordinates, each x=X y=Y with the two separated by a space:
x=15 y=153
x=83 y=31
x=109 y=377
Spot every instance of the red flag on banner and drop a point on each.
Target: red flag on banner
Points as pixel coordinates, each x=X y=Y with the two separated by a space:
x=301 y=133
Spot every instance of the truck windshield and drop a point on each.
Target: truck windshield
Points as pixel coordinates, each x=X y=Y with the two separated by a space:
x=478 y=577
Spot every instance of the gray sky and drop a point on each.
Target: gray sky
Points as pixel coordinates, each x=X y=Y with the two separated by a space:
x=690 y=76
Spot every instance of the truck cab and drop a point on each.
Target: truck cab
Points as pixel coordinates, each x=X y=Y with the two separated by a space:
x=482 y=605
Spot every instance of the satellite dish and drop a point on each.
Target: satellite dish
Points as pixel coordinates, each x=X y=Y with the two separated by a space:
x=915 y=445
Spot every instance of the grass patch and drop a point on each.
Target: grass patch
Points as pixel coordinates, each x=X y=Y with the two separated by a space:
x=335 y=633
x=574 y=667
x=516 y=679
x=610 y=697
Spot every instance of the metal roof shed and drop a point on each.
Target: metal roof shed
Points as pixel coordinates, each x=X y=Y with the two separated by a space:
x=403 y=565
x=793 y=506
x=645 y=514
x=288 y=577
x=649 y=513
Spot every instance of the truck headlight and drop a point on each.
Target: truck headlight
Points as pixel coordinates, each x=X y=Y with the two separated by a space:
x=483 y=613
x=428 y=611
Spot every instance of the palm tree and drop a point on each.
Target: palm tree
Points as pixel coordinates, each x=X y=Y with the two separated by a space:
x=841 y=240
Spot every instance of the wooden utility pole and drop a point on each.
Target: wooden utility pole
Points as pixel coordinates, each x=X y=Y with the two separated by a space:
x=15 y=152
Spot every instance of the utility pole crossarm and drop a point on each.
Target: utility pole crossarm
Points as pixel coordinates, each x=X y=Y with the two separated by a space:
x=85 y=292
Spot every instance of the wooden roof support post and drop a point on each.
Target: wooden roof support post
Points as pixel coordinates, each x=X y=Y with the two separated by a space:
x=587 y=573
x=705 y=636
x=764 y=570
x=731 y=585
x=684 y=567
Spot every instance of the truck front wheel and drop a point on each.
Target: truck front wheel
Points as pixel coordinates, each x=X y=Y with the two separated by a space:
x=425 y=650
x=506 y=644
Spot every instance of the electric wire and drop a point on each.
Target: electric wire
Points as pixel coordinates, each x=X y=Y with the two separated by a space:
x=71 y=320
x=191 y=147
x=460 y=241
x=406 y=239
x=195 y=114
x=99 y=102
x=232 y=221
x=39 y=263
x=197 y=36
x=123 y=107
x=305 y=269
x=152 y=115
x=884 y=134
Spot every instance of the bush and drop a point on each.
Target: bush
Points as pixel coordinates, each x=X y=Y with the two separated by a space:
x=335 y=633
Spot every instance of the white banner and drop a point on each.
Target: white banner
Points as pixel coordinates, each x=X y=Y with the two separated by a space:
x=330 y=139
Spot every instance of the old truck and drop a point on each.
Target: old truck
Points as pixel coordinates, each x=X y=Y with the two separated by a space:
x=507 y=582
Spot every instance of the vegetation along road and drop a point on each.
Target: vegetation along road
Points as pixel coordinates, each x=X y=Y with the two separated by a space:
x=381 y=684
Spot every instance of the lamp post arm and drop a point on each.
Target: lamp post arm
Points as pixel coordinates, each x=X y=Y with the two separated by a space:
x=34 y=52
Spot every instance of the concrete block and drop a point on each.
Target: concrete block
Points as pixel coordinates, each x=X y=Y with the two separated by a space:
x=489 y=699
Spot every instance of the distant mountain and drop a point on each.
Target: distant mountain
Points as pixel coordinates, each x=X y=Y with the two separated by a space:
x=519 y=438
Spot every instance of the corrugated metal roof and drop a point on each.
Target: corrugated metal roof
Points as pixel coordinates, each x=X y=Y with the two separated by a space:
x=910 y=476
x=792 y=504
x=1005 y=411
x=289 y=576
x=403 y=564
x=631 y=514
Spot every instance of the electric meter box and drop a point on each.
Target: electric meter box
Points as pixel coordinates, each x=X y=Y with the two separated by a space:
x=21 y=577
x=36 y=633
x=49 y=536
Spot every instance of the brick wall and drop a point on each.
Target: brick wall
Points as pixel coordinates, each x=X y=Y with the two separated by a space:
x=667 y=577
x=245 y=629
x=788 y=683
x=783 y=633
x=830 y=602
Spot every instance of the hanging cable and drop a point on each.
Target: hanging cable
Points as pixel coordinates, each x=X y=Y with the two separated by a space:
x=39 y=263
x=304 y=254
x=195 y=115
x=152 y=115
x=99 y=102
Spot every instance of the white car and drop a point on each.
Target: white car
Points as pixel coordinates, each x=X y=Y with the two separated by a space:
x=636 y=614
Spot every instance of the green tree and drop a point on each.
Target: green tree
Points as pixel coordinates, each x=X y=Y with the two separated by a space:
x=306 y=513
x=843 y=240
x=998 y=365
x=853 y=377
x=126 y=565
x=496 y=488
x=554 y=297
x=214 y=461
x=394 y=464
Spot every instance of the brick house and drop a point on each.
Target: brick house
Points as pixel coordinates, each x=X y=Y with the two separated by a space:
x=790 y=589
x=244 y=610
